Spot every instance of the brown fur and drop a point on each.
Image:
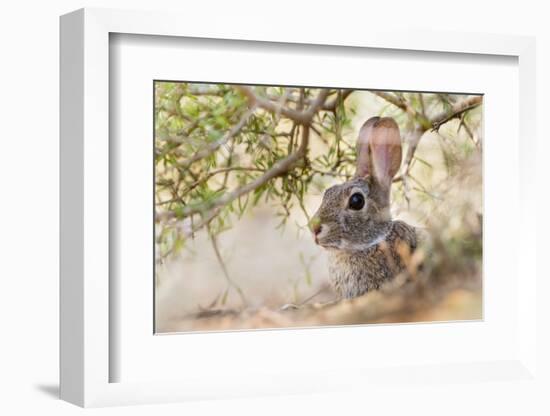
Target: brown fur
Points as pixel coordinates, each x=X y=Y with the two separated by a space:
x=354 y=273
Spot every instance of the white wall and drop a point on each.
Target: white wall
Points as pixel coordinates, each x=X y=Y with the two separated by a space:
x=29 y=56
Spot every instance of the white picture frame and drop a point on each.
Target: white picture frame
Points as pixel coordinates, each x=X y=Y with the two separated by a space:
x=86 y=356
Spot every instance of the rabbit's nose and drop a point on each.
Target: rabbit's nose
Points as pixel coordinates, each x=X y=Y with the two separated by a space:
x=317 y=229
x=315 y=226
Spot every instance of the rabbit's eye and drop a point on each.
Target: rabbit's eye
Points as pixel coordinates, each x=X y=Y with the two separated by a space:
x=356 y=201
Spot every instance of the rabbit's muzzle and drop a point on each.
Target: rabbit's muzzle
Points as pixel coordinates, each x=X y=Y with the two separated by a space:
x=317 y=228
x=321 y=233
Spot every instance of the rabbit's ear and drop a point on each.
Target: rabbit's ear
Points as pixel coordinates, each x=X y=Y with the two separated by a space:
x=379 y=150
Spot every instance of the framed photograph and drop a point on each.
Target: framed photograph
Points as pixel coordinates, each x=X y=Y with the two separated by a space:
x=274 y=204
x=262 y=214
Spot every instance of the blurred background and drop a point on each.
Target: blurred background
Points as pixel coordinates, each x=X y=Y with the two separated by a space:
x=240 y=170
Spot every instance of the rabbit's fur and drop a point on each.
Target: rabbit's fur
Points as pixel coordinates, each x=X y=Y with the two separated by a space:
x=365 y=246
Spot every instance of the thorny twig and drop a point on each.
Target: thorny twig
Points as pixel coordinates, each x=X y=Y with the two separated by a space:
x=279 y=168
x=230 y=282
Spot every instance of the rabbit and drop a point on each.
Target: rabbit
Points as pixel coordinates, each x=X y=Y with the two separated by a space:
x=366 y=248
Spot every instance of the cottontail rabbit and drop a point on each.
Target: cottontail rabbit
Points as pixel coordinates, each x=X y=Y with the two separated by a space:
x=366 y=247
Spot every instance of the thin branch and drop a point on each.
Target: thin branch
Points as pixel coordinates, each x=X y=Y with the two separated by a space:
x=328 y=106
x=468 y=130
x=390 y=98
x=300 y=117
x=278 y=169
x=336 y=101
x=306 y=300
x=195 y=89
x=277 y=116
x=218 y=171
x=414 y=140
x=230 y=282
x=405 y=106
x=422 y=104
x=212 y=147
x=425 y=123
x=456 y=110
x=203 y=222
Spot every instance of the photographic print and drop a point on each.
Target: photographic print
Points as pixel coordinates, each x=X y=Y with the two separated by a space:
x=296 y=206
